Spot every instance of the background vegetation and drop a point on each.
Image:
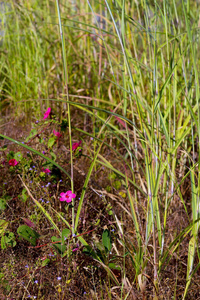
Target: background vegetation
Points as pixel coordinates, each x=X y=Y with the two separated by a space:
x=122 y=81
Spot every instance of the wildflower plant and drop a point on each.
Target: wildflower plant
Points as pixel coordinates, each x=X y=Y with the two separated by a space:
x=13 y=162
x=144 y=123
x=68 y=196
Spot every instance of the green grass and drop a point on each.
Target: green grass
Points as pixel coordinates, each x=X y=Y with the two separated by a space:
x=129 y=82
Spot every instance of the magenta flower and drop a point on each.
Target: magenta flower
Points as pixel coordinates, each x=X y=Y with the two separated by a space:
x=58 y=134
x=13 y=162
x=67 y=196
x=76 y=145
x=46 y=170
x=47 y=113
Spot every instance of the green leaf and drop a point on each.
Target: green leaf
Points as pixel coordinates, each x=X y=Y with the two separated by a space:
x=53 y=156
x=117 y=184
x=60 y=248
x=51 y=141
x=100 y=246
x=89 y=251
x=112 y=176
x=10 y=155
x=45 y=262
x=106 y=239
x=65 y=233
x=24 y=195
x=18 y=156
x=8 y=240
x=114 y=266
x=3 y=226
x=32 y=134
x=3 y=243
x=2 y=204
x=28 y=234
x=4 y=146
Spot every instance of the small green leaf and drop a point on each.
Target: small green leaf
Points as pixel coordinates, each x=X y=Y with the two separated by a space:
x=3 y=243
x=112 y=176
x=65 y=233
x=89 y=251
x=117 y=184
x=8 y=240
x=2 y=204
x=100 y=246
x=114 y=266
x=106 y=239
x=60 y=248
x=42 y=175
x=45 y=262
x=3 y=226
x=53 y=156
x=51 y=141
x=32 y=134
x=10 y=155
x=24 y=195
x=4 y=146
x=18 y=156
x=28 y=234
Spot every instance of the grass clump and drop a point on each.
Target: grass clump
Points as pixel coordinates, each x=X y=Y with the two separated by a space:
x=108 y=99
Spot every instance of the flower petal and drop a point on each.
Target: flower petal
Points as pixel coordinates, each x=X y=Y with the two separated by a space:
x=62 y=199
x=68 y=200
x=47 y=113
x=63 y=194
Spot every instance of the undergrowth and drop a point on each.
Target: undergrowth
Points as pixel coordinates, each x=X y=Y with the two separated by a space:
x=100 y=150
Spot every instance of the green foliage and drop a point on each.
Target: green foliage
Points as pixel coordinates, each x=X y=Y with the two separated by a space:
x=51 y=141
x=103 y=248
x=45 y=262
x=60 y=246
x=23 y=195
x=28 y=234
x=102 y=253
x=3 y=226
x=64 y=125
x=8 y=240
x=117 y=184
x=7 y=237
x=3 y=203
x=106 y=240
x=18 y=156
x=32 y=133
x=133 y=77
x=4 y=284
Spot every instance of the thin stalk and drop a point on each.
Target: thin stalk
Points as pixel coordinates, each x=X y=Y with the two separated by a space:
x=68 y=108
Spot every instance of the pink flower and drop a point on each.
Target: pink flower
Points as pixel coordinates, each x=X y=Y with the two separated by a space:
x=46 y=170
x=67 y=196
x=47 y=113
x=76 y=145
x=13 y=162
x=58 y=134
